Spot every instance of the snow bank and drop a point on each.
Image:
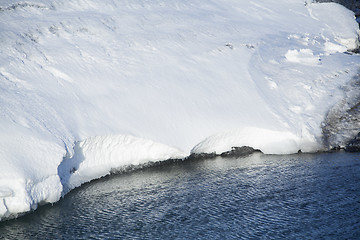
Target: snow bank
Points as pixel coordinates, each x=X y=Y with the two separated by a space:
x=181 y=73
x=28 y=173
x=337 y=18
x=96 y=157
x=270 y=142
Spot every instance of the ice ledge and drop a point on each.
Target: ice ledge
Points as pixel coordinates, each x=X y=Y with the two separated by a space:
x=268 y=141
x=98 y=156
x=22 y=195
x=93 y=158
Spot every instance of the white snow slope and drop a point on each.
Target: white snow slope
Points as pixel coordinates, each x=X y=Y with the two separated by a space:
x=88 y=86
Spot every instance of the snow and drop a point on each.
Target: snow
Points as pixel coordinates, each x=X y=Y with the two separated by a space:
x=89 y=86
x=281 y=142
x=98 y=156
x=302 y=56
x=332 y=48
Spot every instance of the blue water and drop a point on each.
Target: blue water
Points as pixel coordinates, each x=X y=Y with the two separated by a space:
x=305 y=196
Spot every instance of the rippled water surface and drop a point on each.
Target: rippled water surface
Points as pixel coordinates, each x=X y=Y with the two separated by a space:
x=258 y=197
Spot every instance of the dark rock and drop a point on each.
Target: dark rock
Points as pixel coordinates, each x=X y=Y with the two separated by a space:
x=240 y=152
x=335 y=149
x=198 y=156
x=234 y=152
x=353 y=145
x=342 y=122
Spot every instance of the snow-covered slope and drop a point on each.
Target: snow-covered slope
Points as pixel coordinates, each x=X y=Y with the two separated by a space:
x=87 y=86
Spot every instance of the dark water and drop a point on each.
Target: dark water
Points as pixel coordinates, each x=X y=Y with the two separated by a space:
x=259 y=197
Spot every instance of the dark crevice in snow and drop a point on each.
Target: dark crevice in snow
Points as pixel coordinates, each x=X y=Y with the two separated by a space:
x=69 y=166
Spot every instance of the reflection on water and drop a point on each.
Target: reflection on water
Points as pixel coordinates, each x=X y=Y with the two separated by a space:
x=259 y=197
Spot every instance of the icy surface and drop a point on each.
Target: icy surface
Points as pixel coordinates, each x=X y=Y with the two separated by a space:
x=84 y=83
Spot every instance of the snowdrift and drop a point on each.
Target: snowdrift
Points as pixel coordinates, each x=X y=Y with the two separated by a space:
x=89 y=86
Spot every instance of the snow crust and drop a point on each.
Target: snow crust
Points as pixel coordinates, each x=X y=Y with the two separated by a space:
x=90 y=86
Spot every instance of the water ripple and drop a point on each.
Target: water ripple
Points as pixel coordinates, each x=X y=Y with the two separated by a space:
x=259 y=197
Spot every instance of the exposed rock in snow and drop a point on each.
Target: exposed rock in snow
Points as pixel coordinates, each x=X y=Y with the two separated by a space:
x=240 y=152
x=342 y=123
x=354 y=144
